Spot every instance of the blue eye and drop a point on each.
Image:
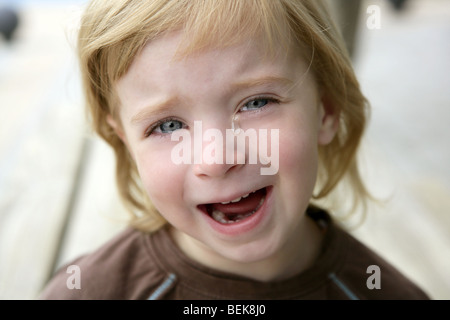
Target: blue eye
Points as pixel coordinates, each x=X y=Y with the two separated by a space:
x=255 y=104
x=166 y=126
x=170 y=126
x=258 y=103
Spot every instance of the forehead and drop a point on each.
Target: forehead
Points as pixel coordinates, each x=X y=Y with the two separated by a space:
x=166 y=56
x=165 y=59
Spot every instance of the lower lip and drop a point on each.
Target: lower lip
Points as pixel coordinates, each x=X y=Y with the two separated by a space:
x=245 y=225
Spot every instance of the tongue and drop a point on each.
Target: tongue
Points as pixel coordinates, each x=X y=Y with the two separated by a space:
x=243 y=206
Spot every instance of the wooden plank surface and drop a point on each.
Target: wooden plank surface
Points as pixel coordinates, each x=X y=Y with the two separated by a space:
x=43 y=134
x=40 y=143
x=98 y=212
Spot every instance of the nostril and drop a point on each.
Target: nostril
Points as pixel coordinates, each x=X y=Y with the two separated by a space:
x=205 y=170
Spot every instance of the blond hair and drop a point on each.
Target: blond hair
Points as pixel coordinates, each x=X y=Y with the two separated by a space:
x=113 y=32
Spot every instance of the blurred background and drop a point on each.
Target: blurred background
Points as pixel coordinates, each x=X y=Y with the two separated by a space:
x=57 y=190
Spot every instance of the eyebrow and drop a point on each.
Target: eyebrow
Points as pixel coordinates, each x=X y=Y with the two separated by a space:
x=168 y=105
x=155 y=110
x=257 y=82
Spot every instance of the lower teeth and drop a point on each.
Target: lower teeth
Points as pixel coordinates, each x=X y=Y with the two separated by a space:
x=221 y=217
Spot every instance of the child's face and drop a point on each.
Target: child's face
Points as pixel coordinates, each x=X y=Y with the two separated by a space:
x=209 y=87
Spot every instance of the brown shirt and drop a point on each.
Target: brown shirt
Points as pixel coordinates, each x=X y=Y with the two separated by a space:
x=136 y=265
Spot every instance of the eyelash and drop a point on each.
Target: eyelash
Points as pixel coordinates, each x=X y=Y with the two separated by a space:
x=155 y=125
x=270 y=100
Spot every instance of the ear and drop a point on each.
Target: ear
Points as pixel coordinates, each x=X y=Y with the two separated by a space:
x=117 y=127
x=119 y=131
x=328 y=121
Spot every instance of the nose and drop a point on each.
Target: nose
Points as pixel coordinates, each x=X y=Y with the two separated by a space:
x=218 y=155
x=205 y=170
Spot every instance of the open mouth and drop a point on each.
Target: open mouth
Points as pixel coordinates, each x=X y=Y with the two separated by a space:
x=235 y=210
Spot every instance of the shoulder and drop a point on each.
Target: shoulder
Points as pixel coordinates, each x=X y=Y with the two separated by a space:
x=123 y=268
x=370 y=276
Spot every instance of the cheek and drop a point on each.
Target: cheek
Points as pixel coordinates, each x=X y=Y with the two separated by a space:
x=161 y=178
x=298 y=157
x=298 y=164
x=298 y=145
